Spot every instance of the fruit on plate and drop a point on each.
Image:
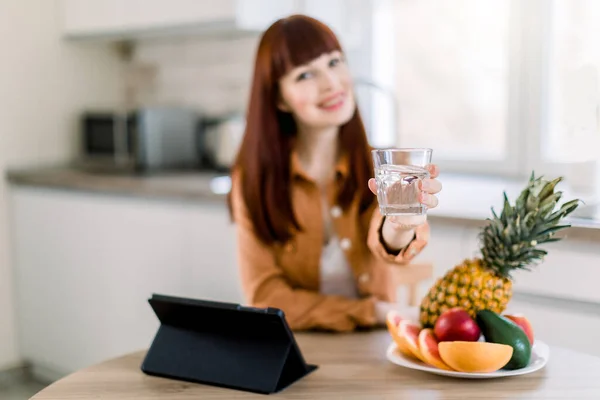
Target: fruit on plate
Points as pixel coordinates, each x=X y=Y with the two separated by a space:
x=524 y=323
x=456 y=325
x=428 y=347
x=475 y=356
x=508 y=243
x=409 y=333
x=499 y=329
x=393 y=320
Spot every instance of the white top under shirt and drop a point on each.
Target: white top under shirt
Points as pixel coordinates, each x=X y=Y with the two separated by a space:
x=335 y=272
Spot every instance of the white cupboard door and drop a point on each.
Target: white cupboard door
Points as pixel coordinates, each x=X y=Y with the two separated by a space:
x=83 y=18
x=562 y=325
x=443 y=250
x=97 y=17
x=85 y=266
x=210 y=258
x=146 y=14
x=92 y=16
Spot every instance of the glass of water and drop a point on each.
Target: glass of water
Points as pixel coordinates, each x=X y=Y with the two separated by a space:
x=398 y=172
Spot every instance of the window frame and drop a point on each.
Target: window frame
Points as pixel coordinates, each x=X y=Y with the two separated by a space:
x=529 y=56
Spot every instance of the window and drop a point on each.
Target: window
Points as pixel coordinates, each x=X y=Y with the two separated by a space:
x=494 y=86
x=573 y=126
x=452 y=76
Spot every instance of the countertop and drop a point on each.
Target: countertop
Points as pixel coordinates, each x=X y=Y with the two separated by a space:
x=187 y=185
x=463 y=199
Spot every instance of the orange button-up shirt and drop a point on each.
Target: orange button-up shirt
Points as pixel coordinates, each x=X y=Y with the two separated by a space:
x=286 y=275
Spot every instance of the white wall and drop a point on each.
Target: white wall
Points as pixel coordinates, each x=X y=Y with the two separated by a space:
x=210 y=73
x=44 y=83
x=213 y=73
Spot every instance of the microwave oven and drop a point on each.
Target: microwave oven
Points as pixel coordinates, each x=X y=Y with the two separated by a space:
x=145 y=139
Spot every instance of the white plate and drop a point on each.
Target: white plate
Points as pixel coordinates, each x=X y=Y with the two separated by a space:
x=539 y=358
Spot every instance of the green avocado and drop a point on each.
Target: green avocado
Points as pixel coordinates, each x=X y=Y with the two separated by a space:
x=498 y=329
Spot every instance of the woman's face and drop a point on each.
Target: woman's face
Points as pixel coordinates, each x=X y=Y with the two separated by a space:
x=318 y=94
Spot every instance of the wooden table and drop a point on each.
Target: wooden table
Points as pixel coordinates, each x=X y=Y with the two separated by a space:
x=351 y=366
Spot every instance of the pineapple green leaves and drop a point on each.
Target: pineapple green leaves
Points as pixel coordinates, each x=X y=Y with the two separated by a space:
x=510 y=241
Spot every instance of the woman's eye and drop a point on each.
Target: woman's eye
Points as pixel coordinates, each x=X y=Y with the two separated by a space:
x=334 y=61
x=303 y=76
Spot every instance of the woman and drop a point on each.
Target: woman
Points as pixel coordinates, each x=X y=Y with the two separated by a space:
x=311 y=240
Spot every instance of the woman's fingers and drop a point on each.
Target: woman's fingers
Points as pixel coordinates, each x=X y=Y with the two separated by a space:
x=428 y=199
x=373 y=185
x=431 y=186
x=434 y=170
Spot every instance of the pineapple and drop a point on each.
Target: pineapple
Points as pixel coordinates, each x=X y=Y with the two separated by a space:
x=508 y=243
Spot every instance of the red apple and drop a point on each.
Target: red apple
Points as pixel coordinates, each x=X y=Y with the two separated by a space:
x=456 y=325
x=523 y=323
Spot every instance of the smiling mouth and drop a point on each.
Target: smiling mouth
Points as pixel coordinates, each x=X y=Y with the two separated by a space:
x=333 y=103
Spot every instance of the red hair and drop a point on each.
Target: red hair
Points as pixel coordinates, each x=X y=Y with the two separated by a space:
x=264 y=156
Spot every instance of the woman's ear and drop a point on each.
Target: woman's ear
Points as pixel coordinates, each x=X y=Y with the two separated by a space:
x=282 y=105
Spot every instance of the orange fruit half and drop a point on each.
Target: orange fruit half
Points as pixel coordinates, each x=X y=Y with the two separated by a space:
x=475 y=356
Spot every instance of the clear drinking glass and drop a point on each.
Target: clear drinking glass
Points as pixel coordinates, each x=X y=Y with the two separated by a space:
x=398 y=172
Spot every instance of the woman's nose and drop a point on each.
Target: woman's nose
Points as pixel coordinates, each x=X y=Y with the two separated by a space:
x=329 y=81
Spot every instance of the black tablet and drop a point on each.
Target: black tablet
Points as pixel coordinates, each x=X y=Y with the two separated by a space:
x=224 y=344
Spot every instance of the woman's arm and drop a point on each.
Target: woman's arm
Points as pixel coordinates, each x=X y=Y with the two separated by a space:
x=265 y=285
x=415 y=239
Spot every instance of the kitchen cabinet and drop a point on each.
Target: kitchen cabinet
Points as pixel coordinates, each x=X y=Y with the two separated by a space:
x=131 y=19
x=443 y=251
x=210 y=258
x=561 y=326
x=570 y=271
x=86 y=264
x=137 y=19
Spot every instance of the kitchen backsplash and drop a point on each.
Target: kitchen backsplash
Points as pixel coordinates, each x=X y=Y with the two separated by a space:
x=210 y=73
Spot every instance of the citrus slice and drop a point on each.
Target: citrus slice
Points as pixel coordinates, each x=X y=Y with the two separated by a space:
x=475 y=356
x=393 y=321
x=409 y=333
x=428 y=347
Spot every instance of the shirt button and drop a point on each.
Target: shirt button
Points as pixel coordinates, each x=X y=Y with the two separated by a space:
x=289 y=246
x=345 y=243
x=336 y=211
x=363 y=278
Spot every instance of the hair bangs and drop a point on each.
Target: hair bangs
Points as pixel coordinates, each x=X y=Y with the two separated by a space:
x=308 y=38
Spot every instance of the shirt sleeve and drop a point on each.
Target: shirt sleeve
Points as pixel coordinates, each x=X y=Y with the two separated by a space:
x=265 y=285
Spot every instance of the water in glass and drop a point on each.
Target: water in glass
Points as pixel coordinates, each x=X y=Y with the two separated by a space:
x=398 y=189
